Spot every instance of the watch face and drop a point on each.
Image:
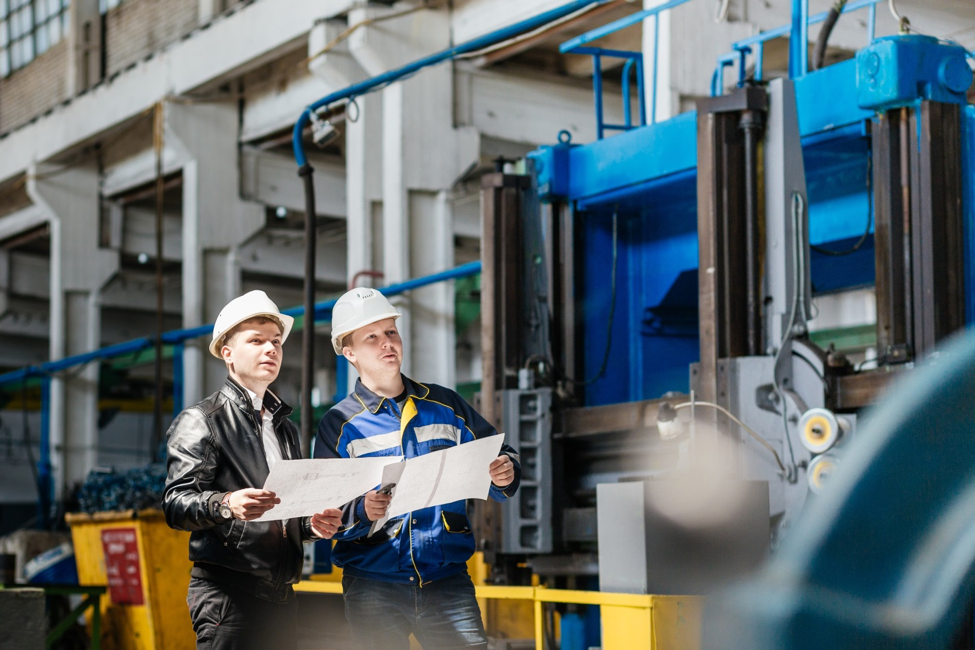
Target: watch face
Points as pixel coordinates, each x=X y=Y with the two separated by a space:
x=225 y=511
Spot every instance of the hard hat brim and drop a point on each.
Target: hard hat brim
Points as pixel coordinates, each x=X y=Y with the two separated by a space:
x=338 y=336
x=286 y=322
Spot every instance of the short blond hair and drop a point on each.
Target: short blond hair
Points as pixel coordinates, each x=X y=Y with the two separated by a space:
x=231 y=334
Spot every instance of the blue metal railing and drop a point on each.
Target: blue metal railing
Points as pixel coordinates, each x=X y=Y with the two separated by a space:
x=45 y=371
x=798 y=58
x=579 y=45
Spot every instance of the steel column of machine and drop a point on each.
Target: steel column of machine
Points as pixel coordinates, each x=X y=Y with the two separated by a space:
x=919 y=234
x=938 y=237
x=891 y=232
x=727 y=287
x=501 y=317
x=751 y=123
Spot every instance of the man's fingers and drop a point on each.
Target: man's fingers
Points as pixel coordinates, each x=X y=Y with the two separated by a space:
x=256 y=493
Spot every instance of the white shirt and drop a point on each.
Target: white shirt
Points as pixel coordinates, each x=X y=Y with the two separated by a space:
x=272 y=448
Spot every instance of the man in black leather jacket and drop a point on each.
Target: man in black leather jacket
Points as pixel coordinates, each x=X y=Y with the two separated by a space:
x=240 y=593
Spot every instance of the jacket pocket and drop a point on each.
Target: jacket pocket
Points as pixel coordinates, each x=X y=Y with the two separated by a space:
x=454 y=522
x=388 y=532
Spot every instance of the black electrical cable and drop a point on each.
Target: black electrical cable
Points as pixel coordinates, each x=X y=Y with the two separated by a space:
x=819 y=54
x=866 y=231
x=308 y=334
x=612 y=308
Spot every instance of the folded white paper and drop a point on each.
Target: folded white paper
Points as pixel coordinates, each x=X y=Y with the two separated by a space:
x=309 y=486
x=441 y=477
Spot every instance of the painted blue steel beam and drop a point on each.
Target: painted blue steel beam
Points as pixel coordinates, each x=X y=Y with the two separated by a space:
x=656 y=151
x=884 y=557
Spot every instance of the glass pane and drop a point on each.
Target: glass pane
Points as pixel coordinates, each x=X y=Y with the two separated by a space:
x=3 y=8
x=15 y=56
x=3 y=33
x=28 y=45
x=64 y=24
x=4 y=63
x=14 y=24
x=40 y=11
x=26 y=20
x=54 y=30
x=53 y=7
x=40 y=38
x=65 y=4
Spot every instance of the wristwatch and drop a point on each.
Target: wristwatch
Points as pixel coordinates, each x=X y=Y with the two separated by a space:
x=224 y=508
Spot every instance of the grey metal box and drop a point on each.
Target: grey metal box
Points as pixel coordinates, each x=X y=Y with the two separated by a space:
x=646 y=549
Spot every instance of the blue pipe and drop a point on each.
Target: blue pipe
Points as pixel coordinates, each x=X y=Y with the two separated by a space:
x=178 y=337
x=799 y=39
x=472 y=45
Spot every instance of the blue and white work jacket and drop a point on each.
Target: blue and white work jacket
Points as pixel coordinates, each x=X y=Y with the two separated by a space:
x=425 y=545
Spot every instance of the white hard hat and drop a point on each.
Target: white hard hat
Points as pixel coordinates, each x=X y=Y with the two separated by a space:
x=253 y=304
x=358 y=308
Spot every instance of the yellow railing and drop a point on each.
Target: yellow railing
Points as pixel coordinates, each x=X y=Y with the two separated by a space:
x=629 y=621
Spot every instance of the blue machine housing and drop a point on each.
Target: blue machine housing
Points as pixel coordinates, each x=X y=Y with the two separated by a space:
x=897 y=71
x=648 y=175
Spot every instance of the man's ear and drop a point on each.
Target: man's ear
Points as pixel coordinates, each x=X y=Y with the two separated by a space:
x=348 y=354
x=227 y=354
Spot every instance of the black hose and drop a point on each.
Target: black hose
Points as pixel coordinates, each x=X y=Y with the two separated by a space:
x=308 y=333
x=866 y=230
x=819 y=54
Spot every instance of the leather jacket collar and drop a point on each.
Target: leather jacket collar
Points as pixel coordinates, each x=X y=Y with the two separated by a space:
x=274 y=405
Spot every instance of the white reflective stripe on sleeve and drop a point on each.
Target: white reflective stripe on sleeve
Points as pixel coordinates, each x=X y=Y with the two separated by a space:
x=362 y=446
x=437 y=432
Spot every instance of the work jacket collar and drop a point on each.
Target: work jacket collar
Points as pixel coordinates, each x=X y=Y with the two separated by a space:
x=374 y=402
x=272 y=403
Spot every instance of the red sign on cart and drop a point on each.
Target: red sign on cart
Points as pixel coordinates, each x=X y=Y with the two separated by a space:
x=121 y=548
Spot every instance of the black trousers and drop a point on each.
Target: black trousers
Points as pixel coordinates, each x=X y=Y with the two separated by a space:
x=226 y=618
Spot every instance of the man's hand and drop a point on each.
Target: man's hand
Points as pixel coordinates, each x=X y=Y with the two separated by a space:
x=251 y=503
x=502 y=471
x=326 y=523
x=376 y=504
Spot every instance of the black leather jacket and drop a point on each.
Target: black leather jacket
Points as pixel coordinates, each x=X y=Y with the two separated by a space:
x=216 y=447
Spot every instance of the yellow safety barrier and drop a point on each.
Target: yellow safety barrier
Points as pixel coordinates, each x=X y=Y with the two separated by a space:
x=629 y=621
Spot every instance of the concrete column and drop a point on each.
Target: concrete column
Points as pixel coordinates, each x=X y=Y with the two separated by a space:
x=215 y=222
x=417 y=119
x=79 y=269
x=363 y=174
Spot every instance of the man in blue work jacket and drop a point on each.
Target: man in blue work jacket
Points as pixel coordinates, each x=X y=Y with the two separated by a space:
x=411 y=575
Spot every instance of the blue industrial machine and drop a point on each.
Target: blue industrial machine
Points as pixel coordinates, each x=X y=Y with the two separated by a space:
x=670 y=269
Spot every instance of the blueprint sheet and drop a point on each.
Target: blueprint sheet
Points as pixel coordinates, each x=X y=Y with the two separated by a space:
x=441 y=477
x=309 y=486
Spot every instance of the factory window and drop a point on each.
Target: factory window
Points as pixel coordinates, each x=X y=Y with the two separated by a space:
x=105 y=5
x=28 y=28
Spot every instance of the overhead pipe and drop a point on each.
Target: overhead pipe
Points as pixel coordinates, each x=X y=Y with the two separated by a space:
x=325 y=133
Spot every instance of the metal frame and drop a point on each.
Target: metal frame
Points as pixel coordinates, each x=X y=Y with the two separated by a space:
x=578 y=44
x=741 y=49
